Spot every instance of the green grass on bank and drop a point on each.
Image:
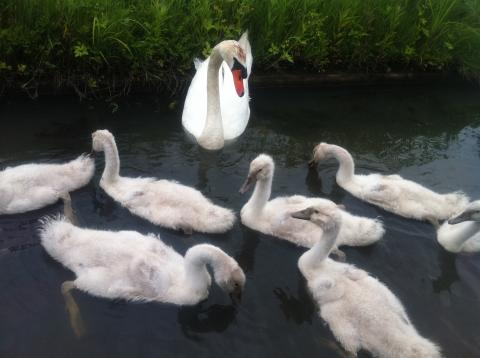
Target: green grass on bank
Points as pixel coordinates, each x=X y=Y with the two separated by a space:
x=95 y=45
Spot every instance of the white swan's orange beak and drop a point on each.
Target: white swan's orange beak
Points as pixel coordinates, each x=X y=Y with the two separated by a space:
x=238 y=82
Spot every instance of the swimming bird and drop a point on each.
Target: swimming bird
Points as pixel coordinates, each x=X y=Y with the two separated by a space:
x=360 y=310
x=136 y=267
x=216 y=107
x=461 y=233
x=390 y=192
x=162 y=202
x=272 y=217
x=132 y=266
x=32 y=186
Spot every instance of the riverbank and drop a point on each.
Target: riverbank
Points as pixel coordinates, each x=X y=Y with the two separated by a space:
x=109 y=47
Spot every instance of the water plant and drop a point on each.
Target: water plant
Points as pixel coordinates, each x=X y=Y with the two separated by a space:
x=109 y=45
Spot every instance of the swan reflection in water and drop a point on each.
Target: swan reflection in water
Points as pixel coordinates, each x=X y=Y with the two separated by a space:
x=200 y=319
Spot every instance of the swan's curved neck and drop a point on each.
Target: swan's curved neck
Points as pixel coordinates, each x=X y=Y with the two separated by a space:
x=319 y=252
x=212 y=135
x=197 y=278
x=346 y=169
x=459 y=234
x=112 y=162
x=261 y=194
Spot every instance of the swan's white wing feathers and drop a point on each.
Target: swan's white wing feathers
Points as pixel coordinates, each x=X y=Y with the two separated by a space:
x=197 y=63
x=235 y=110
x=245 y=44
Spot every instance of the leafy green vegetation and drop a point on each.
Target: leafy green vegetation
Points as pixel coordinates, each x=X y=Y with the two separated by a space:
x=111 y=45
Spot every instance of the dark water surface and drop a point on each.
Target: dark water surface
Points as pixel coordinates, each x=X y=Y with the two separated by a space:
x=430 y=135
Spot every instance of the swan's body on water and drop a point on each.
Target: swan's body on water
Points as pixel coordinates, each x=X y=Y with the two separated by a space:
x=272 y=217
x=461 y=233
x=217 y=103
x=32 y=186
x=391 y=192
x=162 y=202
x=360 y=310
x=132 y=266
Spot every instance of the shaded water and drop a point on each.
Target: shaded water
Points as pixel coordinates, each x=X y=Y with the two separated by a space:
x=430 y=135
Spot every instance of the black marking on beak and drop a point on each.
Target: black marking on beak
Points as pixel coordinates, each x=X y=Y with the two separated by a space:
x=236 y=295
x=248 y=183
x=303 y=214
x=238 y=66
x=465 y=216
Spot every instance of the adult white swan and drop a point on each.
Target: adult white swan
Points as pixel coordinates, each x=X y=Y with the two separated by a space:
x=272 y=217
x=360 y=310
x=216 y=107
x=162 y=202
x=461 y=233
x=33 y=186
x=391 y=192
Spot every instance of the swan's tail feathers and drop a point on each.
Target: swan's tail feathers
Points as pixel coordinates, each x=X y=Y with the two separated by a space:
x=215 y=220
x=359 y=231
x=423 y=347
x=245 y=44
x=53 y=228
x=83 y=167
x=456 y=202
x=197 y=63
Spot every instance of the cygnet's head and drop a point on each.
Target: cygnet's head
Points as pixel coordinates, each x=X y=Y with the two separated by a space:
x=231 y=279
x=320 y=152
x=329 y=219
x=261 y=169
x=234 y=55
x=471 y=213
x=99 y=137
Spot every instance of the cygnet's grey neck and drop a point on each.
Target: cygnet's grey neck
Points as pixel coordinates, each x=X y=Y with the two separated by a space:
x=261 y=194
x=319 y=252
x=346 y=167
x=112 y=162
x=196 y=260
x=212 y=136
x=459 y=234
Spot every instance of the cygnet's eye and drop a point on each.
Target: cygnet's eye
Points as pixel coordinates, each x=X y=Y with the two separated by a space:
x=316 y=211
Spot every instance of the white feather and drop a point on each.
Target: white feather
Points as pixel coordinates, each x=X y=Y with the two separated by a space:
x=360 y=310
x=33 y=186
x=162 y=202
x=391 y=192
x=235 y=110
x=132 y=266
x=272 y=217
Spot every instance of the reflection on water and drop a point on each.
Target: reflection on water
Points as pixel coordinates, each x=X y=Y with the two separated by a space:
x=299 y=308
x=430 y=135
x=197 y=319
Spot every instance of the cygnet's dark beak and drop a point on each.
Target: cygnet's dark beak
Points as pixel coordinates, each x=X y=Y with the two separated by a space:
x=312 y=163
x=247 y=184
x=236 y=295
x=303 y=214
x=465 y=216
